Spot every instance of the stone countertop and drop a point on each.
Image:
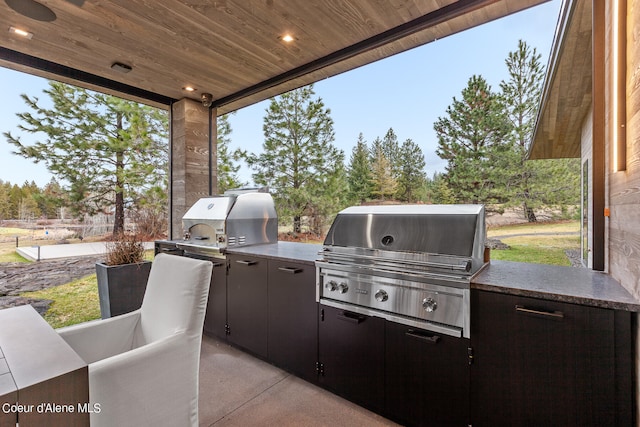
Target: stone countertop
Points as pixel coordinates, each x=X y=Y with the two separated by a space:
x=304 y=253
x=565 y=284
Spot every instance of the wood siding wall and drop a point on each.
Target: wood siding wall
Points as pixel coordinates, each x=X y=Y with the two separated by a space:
x=624 y=186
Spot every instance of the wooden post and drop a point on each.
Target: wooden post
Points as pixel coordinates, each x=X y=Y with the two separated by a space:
x=192 y=159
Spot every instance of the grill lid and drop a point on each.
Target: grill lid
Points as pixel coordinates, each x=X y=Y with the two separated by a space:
x=451 y=235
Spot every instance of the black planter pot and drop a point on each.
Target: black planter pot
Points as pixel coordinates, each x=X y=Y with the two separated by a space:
x=121 y=287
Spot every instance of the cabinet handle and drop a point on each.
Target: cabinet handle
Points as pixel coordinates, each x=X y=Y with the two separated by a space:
x=244 y=262
x=553 y=315
x=431 y=339
x=356 y=319
x=169 y=250
x=290 y=270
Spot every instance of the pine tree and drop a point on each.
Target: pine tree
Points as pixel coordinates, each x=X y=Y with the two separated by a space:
x=521 y=94
x=103 y=148
x=299 y=161
x=538 y=182
x=391 y=150
x=359 y=174
x=5 y=210
x=469 y=138
x=385 y=184
x=227 y=167
x=411 y=171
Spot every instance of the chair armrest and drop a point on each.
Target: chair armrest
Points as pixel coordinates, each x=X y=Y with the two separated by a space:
x=99 y=339
x=155 y=384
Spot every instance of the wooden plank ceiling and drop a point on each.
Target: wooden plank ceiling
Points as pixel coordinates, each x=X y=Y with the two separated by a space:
x=567 y=94
x=232 y=49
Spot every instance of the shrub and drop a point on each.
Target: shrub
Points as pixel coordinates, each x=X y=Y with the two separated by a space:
x=124 y=249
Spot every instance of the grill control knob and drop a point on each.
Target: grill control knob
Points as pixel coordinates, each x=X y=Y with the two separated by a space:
x=343 y=288
x=382 y=296
x=429 y=304
x=332 y=285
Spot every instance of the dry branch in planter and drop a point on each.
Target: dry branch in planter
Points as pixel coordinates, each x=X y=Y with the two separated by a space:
x=125 y=249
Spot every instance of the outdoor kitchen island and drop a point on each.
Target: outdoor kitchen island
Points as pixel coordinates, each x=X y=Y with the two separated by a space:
x=549 y=345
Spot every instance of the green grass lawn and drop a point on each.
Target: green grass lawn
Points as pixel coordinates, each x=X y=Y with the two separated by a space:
x=75 y=302
x=12 y=257
x=536 y=248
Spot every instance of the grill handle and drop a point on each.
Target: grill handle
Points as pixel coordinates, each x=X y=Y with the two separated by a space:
x=552 y=315
x=431 y=339
x=290 y=270
x=356 y=319
x=245 y=262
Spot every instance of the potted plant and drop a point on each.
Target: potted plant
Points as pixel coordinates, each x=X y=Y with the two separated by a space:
x=122 y=278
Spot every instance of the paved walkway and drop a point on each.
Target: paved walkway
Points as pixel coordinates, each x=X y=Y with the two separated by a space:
x=39 y=253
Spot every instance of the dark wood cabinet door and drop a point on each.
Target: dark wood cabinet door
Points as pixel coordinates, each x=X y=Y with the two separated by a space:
x=427 y=377
x=247 y=303
x=215 y=320
x=351 y=350
x=539 y=362
x=293 y=314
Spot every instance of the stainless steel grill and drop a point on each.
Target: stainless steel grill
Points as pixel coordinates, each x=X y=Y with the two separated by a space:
x=407 y=263
x=237 y=218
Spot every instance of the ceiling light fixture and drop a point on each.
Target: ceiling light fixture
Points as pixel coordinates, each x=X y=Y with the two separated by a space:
x=21 y=33
x=32 y=9
x=120 y=67
x=287 y=38
x=189 y=88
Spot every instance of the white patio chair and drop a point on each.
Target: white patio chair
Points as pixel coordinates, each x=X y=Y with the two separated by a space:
x=143 y=365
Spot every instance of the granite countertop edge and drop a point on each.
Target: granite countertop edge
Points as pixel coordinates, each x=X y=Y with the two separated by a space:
x=563 y=284
x=304 y=253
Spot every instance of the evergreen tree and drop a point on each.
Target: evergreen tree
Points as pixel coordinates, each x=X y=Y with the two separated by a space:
x=104 y=148
x=359 y=173
x=438 y=190
x=521 y=95
x=15 y=198
x=411 y=171
x=227 y=168
x=51 y=199
x=391 y=150
x=5 y=210
x=540 y=182
x=299 y=161
x=469 y=138
x=384 y=183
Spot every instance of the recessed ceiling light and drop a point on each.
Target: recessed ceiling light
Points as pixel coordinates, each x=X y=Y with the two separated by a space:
x=120 y=67
x=21 y=33
x=288 y=38
x=189 y=88
x=32 y=9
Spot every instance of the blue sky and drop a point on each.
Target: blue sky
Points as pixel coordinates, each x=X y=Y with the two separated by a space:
x=407 y=92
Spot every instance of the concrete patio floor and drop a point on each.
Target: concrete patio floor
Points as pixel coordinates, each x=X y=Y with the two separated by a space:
x=237 y=389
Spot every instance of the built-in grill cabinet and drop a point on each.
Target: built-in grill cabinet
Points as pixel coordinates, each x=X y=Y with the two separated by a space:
x=393 y=283
x=239 y=218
